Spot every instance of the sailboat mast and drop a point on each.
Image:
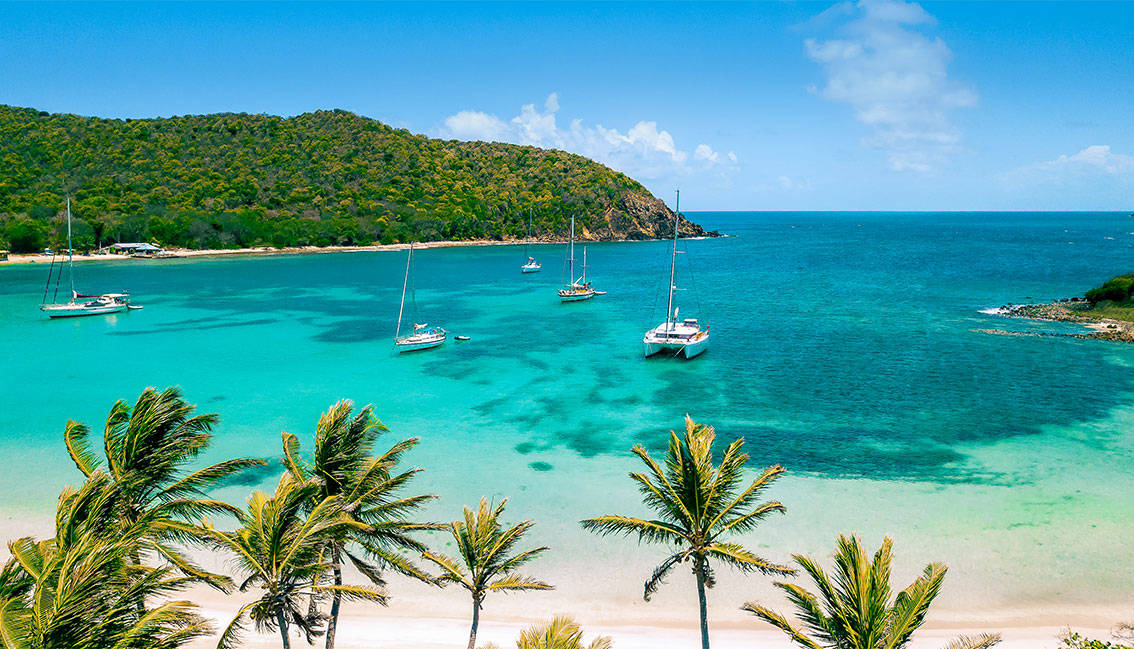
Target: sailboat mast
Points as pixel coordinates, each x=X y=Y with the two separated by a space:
x=571 y=252
x=70 y=251
x=673 y=261
x=405 y=283
x=528 y=241
x=584 y=265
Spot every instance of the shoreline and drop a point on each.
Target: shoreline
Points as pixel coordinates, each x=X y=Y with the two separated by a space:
x=267 y=251
x=1063 y=311
x=422 y=617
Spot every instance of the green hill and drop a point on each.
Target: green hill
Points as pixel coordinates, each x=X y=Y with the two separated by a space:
x=322 y=178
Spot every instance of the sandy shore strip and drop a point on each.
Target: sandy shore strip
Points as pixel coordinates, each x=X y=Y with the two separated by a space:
x=178 y=253
x=382 y=631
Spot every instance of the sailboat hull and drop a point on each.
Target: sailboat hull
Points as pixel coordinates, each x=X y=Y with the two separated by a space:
x=575 y=296
x=417 y=346
x=79 y=310
x=421 y=340
x=691 y=350
x=676 y=339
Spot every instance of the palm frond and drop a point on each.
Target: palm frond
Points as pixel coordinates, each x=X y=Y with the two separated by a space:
x=781 y=623
x=982 y=641
x=738 y=557
x=75 y=435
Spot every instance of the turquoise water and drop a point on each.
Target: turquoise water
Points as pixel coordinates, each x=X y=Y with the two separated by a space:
x=843 y=347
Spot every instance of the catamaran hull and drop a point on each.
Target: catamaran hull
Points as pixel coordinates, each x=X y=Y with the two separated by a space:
x=691 y=350
x=79 y=311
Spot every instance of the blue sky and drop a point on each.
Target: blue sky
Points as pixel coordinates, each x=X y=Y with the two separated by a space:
x=871 y=105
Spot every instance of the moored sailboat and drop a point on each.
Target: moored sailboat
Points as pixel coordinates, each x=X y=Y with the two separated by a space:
x=579 y=289
x=423 y=336
x=80 y=304
x=531 y=265
x=681 y=337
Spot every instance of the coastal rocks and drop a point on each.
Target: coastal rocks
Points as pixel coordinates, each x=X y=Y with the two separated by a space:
x=636 y=217
x=1066 y=310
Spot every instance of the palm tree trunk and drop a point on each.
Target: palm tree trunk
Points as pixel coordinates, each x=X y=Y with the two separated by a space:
x=336 y=597
x=475 y=622
x=283 y=629
x=704 y=609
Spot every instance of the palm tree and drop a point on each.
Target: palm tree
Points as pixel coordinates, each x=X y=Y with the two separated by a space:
x=365 y=487
x=484 y=563
x=281 y=551
x=855 y=609
x=698 y=504
x=560 y=633
x=82 y=590
x=147 y=449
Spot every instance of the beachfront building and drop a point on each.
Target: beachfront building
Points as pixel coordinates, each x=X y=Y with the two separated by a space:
x=135 y=248
x=3 y=255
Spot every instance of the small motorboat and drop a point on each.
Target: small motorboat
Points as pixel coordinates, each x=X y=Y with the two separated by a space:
x=461 y=338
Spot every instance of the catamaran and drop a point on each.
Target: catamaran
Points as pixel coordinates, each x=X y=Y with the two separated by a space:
x=578 y=289
x=531 y=266
x=80 y=304
x=423 y=336
x=681 y=337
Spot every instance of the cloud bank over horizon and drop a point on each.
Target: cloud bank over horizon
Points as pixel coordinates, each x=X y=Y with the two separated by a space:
x=881 y=60
x=644 y=151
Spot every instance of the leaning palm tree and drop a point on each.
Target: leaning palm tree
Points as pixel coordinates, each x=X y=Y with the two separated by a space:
x=147 y=451
x=366 y=488
x=485 y=563
x=83 y=590
x=281 y=550
x=560 y=633
x=854 y=609
x=698 y=504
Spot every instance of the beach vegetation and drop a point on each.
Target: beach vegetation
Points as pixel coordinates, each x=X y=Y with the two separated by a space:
x=1073 y=640
x=698 y=504
x=855 y=607
x=280 y=547
x=1116 y=289
x=147 y=449
x=487 y=560
x=562 y=632
x=323 y=178
x=366 y=488
x=83 y=589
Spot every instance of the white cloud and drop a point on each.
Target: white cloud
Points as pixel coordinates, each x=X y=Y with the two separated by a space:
x=1097 y=157
x=705 y=152
x=1093 y=178
x=472 y=125
x=645 y=151
x=880 y=62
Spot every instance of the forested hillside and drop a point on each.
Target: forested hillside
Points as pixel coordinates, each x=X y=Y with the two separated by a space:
x=322 y=178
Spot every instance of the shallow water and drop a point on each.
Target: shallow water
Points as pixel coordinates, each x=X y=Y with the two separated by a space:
x=843 y=347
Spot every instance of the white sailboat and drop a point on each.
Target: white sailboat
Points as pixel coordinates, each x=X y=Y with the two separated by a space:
x=80 y=304
x=423 y=336
x=579 y=289
x=531 y=265
x=681 y=337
